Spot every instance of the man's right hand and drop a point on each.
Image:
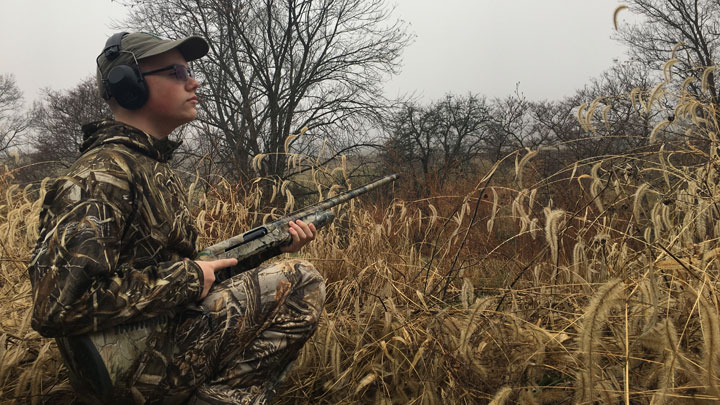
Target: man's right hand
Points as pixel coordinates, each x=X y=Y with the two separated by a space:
x=209 y=269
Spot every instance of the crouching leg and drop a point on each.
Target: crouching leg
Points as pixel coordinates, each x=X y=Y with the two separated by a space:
x=253 y=328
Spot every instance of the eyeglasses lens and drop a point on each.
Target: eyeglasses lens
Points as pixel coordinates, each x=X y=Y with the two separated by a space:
x=182 y=73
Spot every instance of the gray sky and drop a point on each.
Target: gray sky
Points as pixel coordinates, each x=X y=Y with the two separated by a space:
x=551 y=47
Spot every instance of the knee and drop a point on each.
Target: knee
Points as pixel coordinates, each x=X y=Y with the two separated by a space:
x=306 y=292
x=312 y=284
x=308 y=271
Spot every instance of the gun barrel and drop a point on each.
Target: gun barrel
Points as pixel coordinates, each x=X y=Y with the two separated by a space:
x=341 y=198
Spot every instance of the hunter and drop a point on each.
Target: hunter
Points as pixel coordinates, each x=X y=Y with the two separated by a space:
x=114 y=273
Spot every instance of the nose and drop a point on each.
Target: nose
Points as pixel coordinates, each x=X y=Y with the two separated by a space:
x=191 y=84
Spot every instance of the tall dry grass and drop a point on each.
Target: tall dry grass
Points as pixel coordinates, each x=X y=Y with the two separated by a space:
x=505 y=293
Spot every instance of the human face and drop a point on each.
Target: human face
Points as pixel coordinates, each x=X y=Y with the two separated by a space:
x=172 y=102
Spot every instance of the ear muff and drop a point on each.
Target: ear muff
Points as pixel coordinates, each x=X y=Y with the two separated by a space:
x=124 y=82
x=127 y=85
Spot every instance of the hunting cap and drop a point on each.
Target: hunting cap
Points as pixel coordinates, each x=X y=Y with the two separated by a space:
x=123 y=48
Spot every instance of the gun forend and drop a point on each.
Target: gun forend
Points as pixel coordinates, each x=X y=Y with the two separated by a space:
x=256 y=240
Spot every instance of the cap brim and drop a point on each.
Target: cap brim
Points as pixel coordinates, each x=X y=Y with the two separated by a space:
x=192 y=47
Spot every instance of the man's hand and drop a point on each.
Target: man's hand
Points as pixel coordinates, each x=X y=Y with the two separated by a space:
x=209 y=269
x=301 y=233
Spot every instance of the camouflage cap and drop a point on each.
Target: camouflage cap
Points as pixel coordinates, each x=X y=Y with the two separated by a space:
x=141 y=45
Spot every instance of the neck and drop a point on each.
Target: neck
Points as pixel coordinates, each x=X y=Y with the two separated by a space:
x=149 y=126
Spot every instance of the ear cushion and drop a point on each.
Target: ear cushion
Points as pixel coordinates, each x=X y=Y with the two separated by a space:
x=128 y=87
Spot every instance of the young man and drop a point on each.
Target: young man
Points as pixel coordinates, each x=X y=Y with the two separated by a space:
x=113 y=272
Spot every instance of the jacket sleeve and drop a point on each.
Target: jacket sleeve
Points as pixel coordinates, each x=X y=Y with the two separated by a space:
x=78 y=283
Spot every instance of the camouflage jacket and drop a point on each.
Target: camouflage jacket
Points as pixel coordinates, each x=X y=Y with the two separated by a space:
x=115 y=237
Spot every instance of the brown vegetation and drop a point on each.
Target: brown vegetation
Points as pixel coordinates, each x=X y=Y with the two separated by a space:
x=597 y=284
x=582 y=268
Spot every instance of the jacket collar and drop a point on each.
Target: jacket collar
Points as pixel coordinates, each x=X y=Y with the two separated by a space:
x=105 y=132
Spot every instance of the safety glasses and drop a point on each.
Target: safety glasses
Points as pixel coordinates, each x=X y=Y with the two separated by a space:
x=181 y=72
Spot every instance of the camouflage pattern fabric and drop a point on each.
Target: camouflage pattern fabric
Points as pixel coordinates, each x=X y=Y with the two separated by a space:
x=113 y=255
x=254 y=326
x=114 y=235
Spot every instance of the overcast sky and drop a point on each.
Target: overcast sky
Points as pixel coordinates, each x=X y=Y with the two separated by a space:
x=551 y=47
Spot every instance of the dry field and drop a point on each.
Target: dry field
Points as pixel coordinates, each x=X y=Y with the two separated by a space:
x=607 y=295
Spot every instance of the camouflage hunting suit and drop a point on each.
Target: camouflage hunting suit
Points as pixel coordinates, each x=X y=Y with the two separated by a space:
x=112 y=265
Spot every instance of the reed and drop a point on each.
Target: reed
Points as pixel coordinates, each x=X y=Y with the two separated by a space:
x=618 y=302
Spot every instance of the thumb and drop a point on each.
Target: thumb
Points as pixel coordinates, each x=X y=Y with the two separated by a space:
x=223 y=263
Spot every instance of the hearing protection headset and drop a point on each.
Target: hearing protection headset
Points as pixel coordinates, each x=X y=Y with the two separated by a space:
x=124 y=82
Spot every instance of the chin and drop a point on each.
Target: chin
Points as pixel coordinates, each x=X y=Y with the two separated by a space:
x=189 y=117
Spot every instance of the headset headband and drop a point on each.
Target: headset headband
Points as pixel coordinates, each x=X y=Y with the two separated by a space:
x=113 y=44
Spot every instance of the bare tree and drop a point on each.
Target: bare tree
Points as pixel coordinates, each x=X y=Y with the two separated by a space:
x=691 y=25
x=12 y=119
x=514 y=126
x=57 y=121
x=618 y=126
x=276 y=66
x=430 y=144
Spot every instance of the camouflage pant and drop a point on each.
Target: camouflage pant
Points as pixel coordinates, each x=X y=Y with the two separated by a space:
x=235 y=348
x=252 y=329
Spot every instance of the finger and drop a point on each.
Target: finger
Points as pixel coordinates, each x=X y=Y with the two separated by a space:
x=298 y=229
x=223 y=263
x=306 y=229
x=294 y=235
x=311 y=231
